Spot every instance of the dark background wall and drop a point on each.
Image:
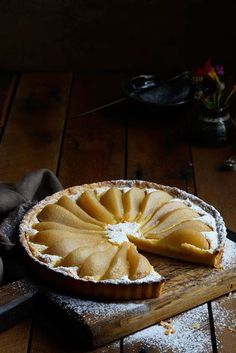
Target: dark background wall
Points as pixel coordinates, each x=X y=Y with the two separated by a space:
x=130 y=35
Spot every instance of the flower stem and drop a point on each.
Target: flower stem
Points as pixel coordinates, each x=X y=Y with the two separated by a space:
x=230 y=95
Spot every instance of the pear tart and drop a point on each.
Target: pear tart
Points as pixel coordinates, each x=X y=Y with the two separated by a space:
x=87 y=239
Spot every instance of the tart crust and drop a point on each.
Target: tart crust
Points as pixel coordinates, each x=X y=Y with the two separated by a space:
x=115 y=289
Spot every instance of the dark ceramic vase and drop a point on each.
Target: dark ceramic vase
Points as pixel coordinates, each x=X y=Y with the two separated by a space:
x=211 y=126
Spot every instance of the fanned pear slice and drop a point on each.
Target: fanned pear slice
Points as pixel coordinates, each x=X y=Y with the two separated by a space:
x=119 y=266
x=184 y=236
x=49 y=237
x=71 y=206
x=151 y=203
x=132 y=201
x=79 y=255
x=139 y=264
x=173 y=218
x=161 y=212
x=59 y=226
x=64 y=247
x=97 y=264
x=90 y=204
x=56 y=213
x=112 y=200
x=195 y=225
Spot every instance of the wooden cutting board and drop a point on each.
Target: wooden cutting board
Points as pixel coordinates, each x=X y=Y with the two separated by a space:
x=99 y=322
x=186 y=286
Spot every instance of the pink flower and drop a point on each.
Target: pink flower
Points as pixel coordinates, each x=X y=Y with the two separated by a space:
x=219 y=70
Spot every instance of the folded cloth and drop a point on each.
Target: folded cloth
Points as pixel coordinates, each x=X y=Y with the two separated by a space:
x=17 y=198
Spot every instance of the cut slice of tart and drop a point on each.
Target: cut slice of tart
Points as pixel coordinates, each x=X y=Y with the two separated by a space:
x=87 y=239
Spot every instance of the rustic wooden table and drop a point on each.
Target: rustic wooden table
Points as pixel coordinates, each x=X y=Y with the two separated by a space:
x=46 y=121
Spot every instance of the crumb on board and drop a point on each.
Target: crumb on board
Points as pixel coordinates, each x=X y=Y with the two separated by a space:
x=167 y=326
x=232 y=329
x=169 y=331
x=196 y=326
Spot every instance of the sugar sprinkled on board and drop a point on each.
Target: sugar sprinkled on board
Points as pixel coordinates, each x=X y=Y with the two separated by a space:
x=98 y=309
x=185 y=338
x=191 y=330
x=229 y=255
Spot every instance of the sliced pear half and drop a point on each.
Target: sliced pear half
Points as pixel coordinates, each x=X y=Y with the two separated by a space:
x=112 y=200
x=90 y=204
x=132 y=201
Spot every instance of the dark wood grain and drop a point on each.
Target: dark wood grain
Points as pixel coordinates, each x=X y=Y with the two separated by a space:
x=7 y=87
x=16 y=339
x=16 y=302
x=126 y=35
x=44 y=341
x=156 y=150
x=93 y=148
x=215 y=185
x=94 y=90
x=32 y=138
x=154 y=339
x=224 y=314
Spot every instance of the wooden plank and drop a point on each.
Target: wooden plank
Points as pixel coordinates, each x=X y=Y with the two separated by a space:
x=44 y=341
x=16 y=302
x=218 y=188
x=187 y=286
x=113 y=36
x=224 y=315
x=95 y=90
x=15 y=339
x=32 y=140
x=157 y=152
x=215 y=185
x=33 y=135
x=7 y=87
x=191 y=334
x=93 y=147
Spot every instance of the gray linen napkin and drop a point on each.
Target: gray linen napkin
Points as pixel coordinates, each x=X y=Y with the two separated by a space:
x=17 y=198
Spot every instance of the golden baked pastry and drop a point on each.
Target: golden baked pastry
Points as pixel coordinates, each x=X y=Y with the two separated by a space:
x=86 y=239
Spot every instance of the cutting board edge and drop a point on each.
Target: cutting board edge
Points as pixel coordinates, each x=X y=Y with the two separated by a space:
x=102 y=338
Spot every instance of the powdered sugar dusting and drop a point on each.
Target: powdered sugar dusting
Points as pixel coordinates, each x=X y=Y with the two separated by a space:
x=153 y=276
x=229 y=255
x=186 y=339
x=98 y=309
x=118 y=233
